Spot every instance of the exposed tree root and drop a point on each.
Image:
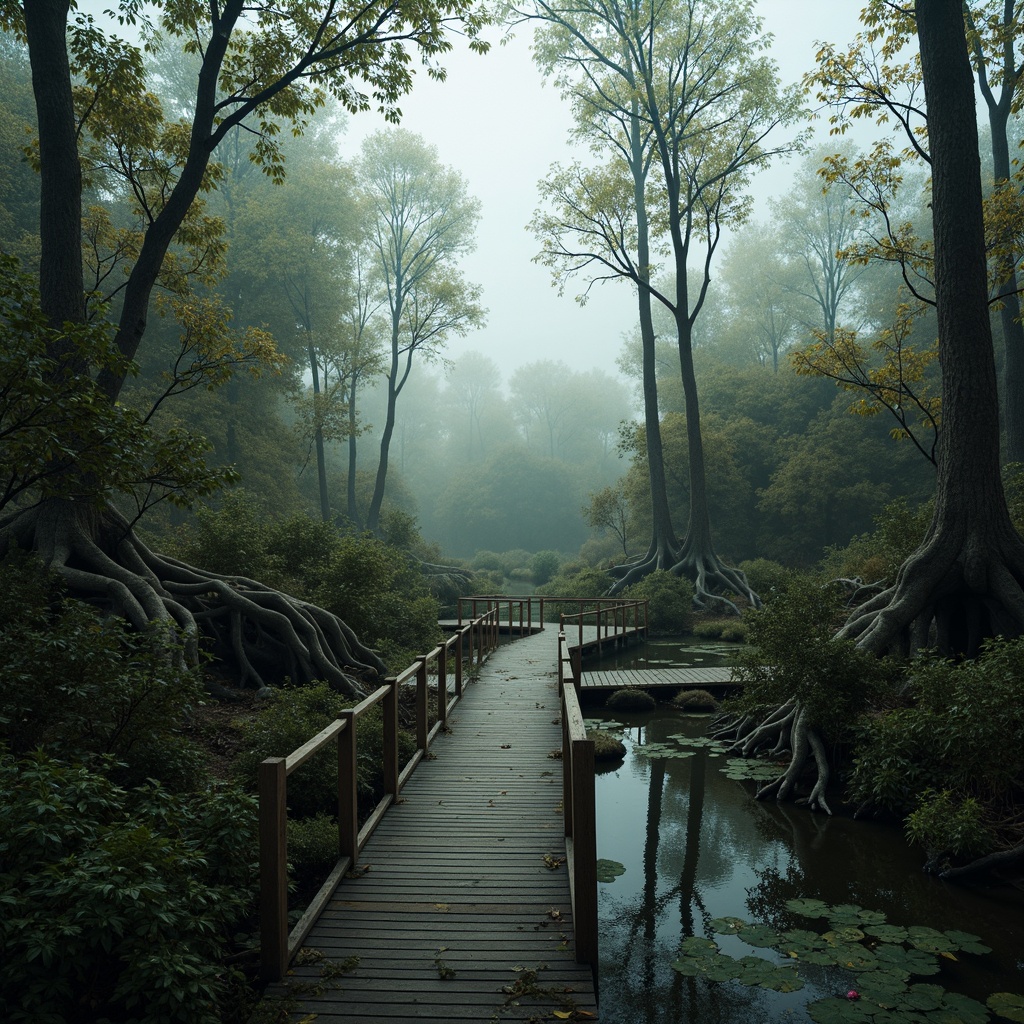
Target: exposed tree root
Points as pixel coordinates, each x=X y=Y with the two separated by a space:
x=1002 y=859
x=711 y=577
x=264 y=632
x=958 y=589
x=785 y=729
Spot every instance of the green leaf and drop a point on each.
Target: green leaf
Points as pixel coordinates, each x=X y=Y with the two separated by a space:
x=967 y=942
x=727 y=925
x=887 y=932
x=808 y=907
x=1007 y=1004
x=609 y=870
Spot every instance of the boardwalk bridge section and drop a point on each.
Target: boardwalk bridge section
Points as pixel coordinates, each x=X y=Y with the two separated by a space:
x=474 y=897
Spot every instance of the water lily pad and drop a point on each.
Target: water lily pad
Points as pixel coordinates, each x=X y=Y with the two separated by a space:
x=697 y=945
x=808 y=907
x=609 y=870
x=880 y=987
x=759 y=935
x=841 y=1011
x=922 y=997
x=958 y=1009
x=967 y=942
x=841 y=935
x=930 y=940
x=1007 y=1004
x=887 y=932
x=743 y=768
x=910 y=961
x=727 y=925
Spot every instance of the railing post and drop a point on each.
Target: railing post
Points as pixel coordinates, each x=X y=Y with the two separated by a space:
x=422 y=728
x=348 y=811
x=273 y=832
x=442 y=682
x=584 y=845
x=458 y=664
x=390 y=744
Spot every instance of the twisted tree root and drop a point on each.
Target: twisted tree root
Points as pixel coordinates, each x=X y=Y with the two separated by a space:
x=268 y=634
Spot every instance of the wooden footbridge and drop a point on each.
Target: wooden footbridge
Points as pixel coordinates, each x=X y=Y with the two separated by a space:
x=474 y=897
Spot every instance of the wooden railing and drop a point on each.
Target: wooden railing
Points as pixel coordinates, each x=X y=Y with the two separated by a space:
x=614 y=618
x=579 y=809
x=277 y=945
x=518 y=611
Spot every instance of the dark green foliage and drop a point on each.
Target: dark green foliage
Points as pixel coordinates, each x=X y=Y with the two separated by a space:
x=671 y=601
x=84 y=687
x=117 y=902
x=952 y=755
x=312 y=844
x=865 y=961
x=293 y=715
x=607 y=747
x=544 y=565
x=792 y=655
x=373 y=587
x=766 y=578
x=630 y=699
x=695 y=700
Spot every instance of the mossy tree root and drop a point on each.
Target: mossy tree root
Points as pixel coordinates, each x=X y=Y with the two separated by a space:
x=265 y=632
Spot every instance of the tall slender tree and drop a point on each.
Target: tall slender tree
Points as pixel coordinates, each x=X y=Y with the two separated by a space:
x=423 y=222
x=255 y=72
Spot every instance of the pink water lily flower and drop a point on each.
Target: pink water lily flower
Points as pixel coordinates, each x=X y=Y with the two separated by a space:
x=852 y=994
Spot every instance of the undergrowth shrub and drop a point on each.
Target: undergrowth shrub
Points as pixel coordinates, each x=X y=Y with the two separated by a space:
x=294 y=714
x=767 y=578
x=792 y=654
x=84 y=686
x=951 y=757
x=631 y=698
x=117 y=903
x=671 y=601
x=375 y=588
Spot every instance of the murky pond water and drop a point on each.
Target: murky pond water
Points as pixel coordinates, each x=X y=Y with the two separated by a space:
x=663 y=652
x=697 y=846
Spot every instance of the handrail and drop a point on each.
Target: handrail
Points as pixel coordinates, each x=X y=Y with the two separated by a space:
x=578 y=808
x=277 y=945
x=523 y=605
x=613 y=617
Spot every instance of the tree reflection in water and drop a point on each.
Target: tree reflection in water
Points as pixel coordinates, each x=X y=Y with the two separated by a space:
x=697 y=846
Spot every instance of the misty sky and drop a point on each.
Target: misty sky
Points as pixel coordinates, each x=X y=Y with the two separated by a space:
x=496 y=122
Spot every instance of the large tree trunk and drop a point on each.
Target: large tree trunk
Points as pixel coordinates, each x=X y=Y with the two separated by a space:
x=663 y=550
x=85 y=540
x=965 y=581
x=318 y=437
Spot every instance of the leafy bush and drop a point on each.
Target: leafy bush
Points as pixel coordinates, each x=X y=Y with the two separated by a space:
x=630 y=698
x=792 y=654
x=947 y=826
x=294 y=714
x=118 y=907
x=767 y=578
x=607 y=746
x=695 y=700
x=544 y=565
x=373 y=587
x=312 y=843
x=960 y=735
x=82 y=686
x=574 y=580
x=731 y=629
x=671 y=601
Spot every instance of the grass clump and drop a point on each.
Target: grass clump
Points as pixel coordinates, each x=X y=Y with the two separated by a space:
x=631 y=698
x=695 y=700
x=607 y=746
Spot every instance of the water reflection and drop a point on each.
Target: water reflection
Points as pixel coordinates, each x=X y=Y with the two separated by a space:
x=697 y=846
x=681 y=651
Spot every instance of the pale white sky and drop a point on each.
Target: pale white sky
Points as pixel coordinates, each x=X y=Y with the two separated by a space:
x=501 y=127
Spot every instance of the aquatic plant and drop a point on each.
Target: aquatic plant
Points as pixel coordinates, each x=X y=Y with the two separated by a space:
x=873 y=962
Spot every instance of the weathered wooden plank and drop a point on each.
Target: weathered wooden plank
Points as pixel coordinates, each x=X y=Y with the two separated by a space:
x=455 y=871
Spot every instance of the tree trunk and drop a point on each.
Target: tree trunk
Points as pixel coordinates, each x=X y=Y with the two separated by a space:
x=964 y=583
x=61 y=282
x=353 y=508
x=318 y=436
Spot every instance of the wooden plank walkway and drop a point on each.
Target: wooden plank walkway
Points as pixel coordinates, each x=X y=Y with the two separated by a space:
x=656 y=678
x=462 y=910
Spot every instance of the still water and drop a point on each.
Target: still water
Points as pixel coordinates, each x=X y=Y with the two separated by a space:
x=696 y=846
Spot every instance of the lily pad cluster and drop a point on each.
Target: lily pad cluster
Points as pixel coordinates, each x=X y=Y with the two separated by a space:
x=874 y=963
x=609 y=870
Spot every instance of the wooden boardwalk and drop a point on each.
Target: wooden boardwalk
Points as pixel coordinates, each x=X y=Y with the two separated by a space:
x=658 y=678
x=460 y=907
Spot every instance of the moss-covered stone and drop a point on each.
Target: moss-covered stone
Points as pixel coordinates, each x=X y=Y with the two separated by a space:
x=695 y=700
x=607 y=746
x=631 y=698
